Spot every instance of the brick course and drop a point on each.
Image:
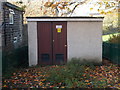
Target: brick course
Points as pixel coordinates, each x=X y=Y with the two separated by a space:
x=10 y=31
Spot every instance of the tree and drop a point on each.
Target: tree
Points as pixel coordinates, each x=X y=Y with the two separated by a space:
x=62 y=8
x=110 y=10
x=66 y=8
x=114 y=39
x=31 y=7
x=107 y=6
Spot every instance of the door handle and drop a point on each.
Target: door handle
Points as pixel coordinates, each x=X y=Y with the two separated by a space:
x=53 y=40
x=65 y=45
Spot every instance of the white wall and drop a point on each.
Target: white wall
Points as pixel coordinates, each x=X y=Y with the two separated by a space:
x=32 y=42
x=85 y=40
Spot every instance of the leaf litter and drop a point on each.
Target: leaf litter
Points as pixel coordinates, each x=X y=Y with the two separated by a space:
x=35 y=77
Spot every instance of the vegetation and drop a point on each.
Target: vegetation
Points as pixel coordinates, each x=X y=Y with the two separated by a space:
x=114 y=39
x=67 y=7
x=107 y=37
x=72 y=75
x=14 y=59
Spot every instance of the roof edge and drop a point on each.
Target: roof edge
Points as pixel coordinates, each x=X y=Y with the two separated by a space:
x=13 y=6
x=64 y=19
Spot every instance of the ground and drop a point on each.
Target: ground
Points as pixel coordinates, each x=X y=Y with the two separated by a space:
x=103 y=76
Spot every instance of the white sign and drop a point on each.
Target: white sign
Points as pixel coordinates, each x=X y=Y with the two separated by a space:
x=58 y=26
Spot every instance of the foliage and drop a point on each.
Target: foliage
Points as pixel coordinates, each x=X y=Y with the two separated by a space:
x=71 y=74
x=109 y=9
x=111 y=22
x=63 y=8
x=66 y=8
x=21 y=5
x=114 y=39
x=106 y=6
x=64 y=76
x=14 y=59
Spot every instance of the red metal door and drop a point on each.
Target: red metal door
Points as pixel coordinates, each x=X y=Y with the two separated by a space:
x=44 y=42
x=52 y=42
x=59 y=42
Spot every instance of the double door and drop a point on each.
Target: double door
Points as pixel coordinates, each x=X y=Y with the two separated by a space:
x=52 y=42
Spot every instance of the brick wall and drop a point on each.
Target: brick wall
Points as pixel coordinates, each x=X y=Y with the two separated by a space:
x=12 y=31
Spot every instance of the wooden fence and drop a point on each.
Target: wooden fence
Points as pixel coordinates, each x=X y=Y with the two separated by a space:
x=111 y=52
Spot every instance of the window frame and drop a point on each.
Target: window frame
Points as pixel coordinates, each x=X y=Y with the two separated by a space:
x=11 y=16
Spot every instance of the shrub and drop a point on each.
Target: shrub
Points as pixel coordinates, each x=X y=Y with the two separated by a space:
x=70 y=75
x=17 y=58
x=115 y=39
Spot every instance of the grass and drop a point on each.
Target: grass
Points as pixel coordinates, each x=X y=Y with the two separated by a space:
x=107 y=37
x=72 y=75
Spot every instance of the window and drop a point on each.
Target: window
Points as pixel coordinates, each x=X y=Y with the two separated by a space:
x=11 y=14
x=10 y=18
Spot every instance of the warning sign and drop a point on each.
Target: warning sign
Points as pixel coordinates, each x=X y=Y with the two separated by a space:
x=59 y=28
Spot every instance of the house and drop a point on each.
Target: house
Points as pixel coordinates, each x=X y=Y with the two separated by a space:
x=11 y=27
x=53 y=40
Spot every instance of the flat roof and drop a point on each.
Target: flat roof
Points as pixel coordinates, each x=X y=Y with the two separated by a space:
x=30 y=19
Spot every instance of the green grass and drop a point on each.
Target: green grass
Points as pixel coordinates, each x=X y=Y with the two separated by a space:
x=107 y=37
